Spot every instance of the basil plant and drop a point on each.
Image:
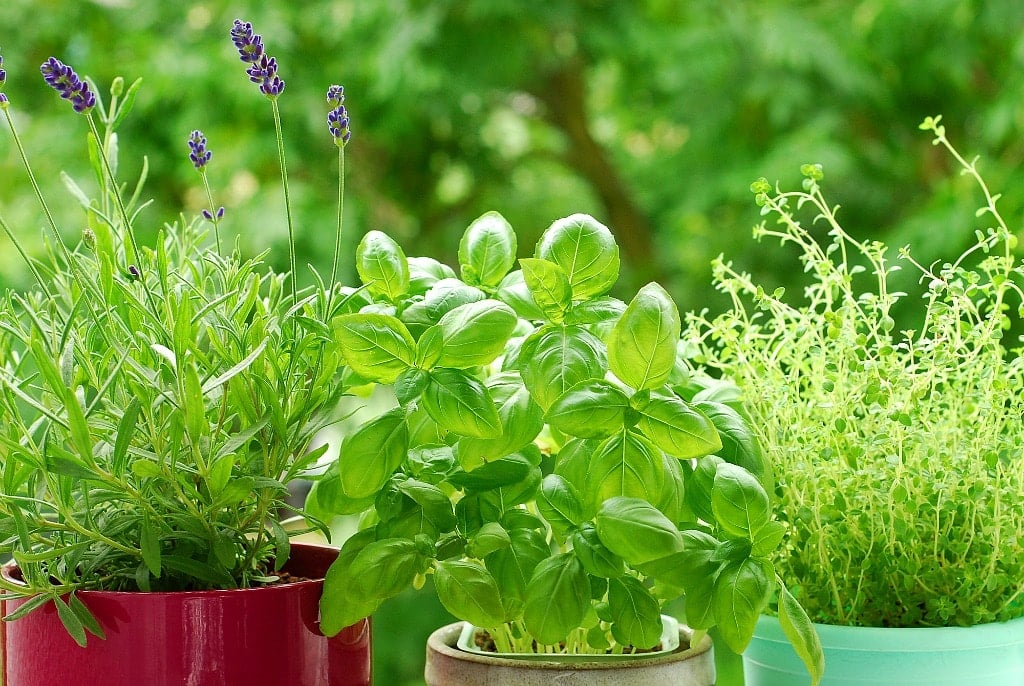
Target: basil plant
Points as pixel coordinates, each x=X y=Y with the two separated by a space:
x=546 y=459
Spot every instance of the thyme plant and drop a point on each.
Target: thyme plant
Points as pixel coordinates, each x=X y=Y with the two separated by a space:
x=156 y=400
x=897 y=450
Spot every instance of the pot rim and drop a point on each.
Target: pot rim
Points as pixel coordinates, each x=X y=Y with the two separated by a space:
x=443 y=641
x=9 y=567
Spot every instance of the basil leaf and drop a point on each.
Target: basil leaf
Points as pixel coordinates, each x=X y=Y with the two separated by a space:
x=513 y=567
x=475 y=334
x=327 y=498
x=642 y=345
x=636 y=614
x=591 y=409
x=585 y=249
x=339 y=606
x=491 y=537
x=424 y=272
x=442 y=297
x=382 y=266
x=677 y=428
x=739 y=444
x=700 y=486
x=557 y=598
x=740 y=594
x=740 y=504
x=487 y=250
x=504 y=472
x=596 y=311
x=549 y=287
x=436 y=507
x=467 y=590
x=521 y=421
x=370 y=456
x=514 y=292
x=636 y=531
x=556 y=358
x=625 y=464
x=559 y=504
x=801 y=634
x=457 y=401
x=384 y=569
x=378 y=347
x=594 y=555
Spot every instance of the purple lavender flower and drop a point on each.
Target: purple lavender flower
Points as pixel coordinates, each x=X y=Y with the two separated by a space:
x=3 y=72
x=337 y=119
x=199 y=155
x=263 y=69
x=65 y=81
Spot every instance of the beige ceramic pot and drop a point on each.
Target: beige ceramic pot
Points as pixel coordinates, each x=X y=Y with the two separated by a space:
x=447 y=665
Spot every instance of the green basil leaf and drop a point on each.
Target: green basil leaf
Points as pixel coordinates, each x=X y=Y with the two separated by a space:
x=636 y=614
x=585 y=249
x=442 y=297
x=514 y=292
x=642 y=345
x=384 y=569
x=467 y=590
x=677 y=428
x=740 y=504
x=339 y=606
x=382 y=266
x=557 y=598
x=504 y=472
x=597 y=311
x=801 y=634
x=636 y=531
x=700 y=486
x=739 y=444
x=573 y=464
x=475 y=334
x=513 y=567
x=549 y=287
x=590 y=409
x=487 y=250
x=410 y=384
x=521 y=421
x=740 y=595
x=490 y=537
x=594 y=555
x=370 y=456
x=435 y=505
x=689 y=567
x=327 y=498
x=768 y=539
x=559 y=504
x=458 y=402
x=424 y=272
x=378 y=347
x=556 y=358
x=625 y=464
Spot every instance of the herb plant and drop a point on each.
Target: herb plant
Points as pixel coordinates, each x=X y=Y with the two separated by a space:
x=896 y=448
x=156 y=400
x=538 y=462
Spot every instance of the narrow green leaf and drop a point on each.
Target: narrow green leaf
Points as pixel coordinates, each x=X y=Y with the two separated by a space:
x=642 y=345
x=125 y=431
x=149 y=543
x=70 y=621
x=801 y=633
x=126 y=104
x=282 y=545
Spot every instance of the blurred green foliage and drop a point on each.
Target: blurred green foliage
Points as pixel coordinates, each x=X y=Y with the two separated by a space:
x=652 y=115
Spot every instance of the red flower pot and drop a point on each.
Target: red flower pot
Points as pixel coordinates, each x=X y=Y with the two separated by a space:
x=250 y=637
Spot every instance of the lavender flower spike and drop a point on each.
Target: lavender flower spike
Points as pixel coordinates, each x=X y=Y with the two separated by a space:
x=199 y=155
x=3 y=80
x=65 y=81
x=263 y=71
x=337 y=119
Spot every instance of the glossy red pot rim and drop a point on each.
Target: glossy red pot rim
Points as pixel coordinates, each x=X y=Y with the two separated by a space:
x=12 y=574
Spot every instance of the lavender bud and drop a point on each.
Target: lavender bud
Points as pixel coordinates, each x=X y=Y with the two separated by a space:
x=338 y=125
x=263 y=71
x=3 y=100
x=65 y=81
x=199 y=155
x=134 y=271
x=3 y=72
x=207 y=215
x=220 y=212
x=336 y=96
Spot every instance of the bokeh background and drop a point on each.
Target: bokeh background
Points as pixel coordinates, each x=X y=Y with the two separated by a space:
x=652 y=115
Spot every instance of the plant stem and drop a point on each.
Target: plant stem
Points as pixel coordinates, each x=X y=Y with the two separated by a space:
x=337 y=235
x=287 y=197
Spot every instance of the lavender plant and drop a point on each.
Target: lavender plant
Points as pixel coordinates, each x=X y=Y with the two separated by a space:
x=896 y=448
x=157 y=400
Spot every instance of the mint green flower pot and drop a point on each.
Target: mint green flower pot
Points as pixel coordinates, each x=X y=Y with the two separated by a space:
x=984 y=655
